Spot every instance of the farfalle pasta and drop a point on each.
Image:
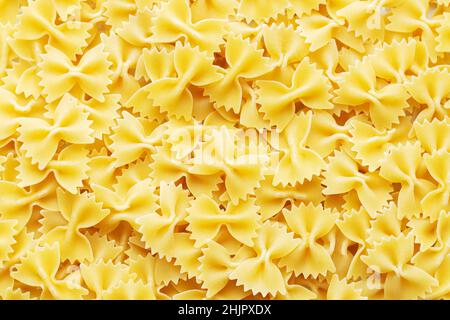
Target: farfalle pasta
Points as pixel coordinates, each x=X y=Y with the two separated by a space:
x=239 y=149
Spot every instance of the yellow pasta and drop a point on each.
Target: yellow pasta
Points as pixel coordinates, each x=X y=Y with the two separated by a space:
x=239 y=149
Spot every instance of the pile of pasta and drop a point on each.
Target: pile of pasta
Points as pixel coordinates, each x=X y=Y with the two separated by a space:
x=102 y=102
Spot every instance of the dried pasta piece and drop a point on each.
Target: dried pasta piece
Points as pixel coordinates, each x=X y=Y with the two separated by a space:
x=158 y=228
x=215 y=267
x=78 y=212
x=125 y=204
x=433 y=136
x=38 y=19
x=308 y=86
x=60 y=75
x=429 y=88
x=263 y=275
x=174 y=21
x=342 y=175
x=372 y=145
x=395 y=61
x=205 y=219
x=436 y=200
x=284 y=44
x=100 y=276
x=298 y=161
x=359 y=87
x=130 y=139
x=68 y=170
x=320 y=29
x=203 y=9
x=310 y=223
x=403 y=280
x=245 y=62
x=40 y=138
x=406 y=170
x=17 y=203
x=46 y=259
x=172 y=94
x=272 y=198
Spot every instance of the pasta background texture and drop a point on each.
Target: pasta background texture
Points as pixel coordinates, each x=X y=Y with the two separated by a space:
x=211 y=149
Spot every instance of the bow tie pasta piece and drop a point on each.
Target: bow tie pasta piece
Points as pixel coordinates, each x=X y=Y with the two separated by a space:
x=428 y=233
x=310 y=223
x=123 y=58
x=358 y=88
x=154 y=271
x=60 y=75
x=272 y=198
x=385 y=224
x=78 y=212
x=38 y=20
x=298 y=162
x=412 y=16
x=137 y=29
x=403 y=280
x=342 y=175
x=131 y=139
x=215 y=267
x=367 y=19
x=172 y=95
x=174 y=22
x=372 y=145
x=166 y=168
x=245 y=62
x=100 y=276
x=260 y=272
x=284 y=44
x=125 y=205
x=242 y=173
x=17 y=203
x=159 y=228
x=69 y=169
x=431 y=88
x=397 y=168
x=46 y=259
x=12 y=109
x=23 y=244
x=155 y=64
x=103 y=248
x=205 y=219
x=397 y=60
x=319 y=30
x=438 y=165
x=355 y=225
x=433 y=136
x=40 y=139
x=308 y=86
